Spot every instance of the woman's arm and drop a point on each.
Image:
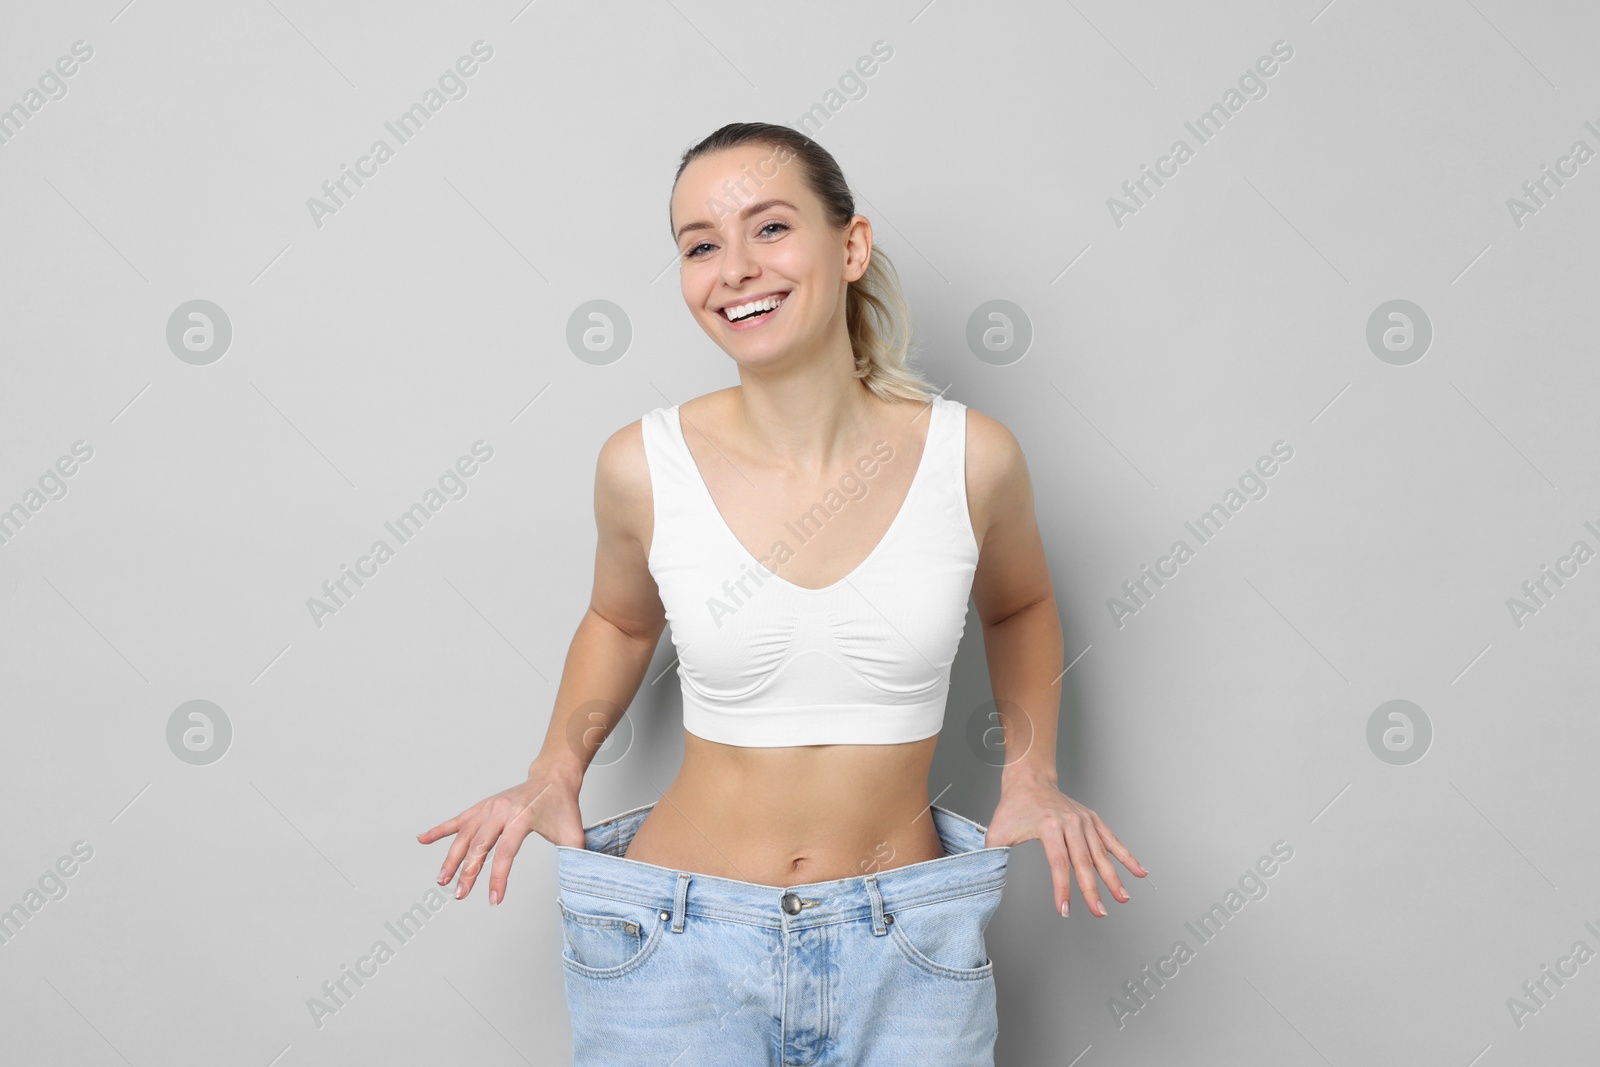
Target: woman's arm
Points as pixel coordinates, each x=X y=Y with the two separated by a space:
x=1023 y=644
x=617 y=636
x=1016 y=603
x=606 y=661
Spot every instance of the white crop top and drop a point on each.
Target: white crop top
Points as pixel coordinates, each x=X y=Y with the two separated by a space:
x=865 y=661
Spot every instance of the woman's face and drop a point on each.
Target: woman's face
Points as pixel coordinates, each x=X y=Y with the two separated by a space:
x=748 y=228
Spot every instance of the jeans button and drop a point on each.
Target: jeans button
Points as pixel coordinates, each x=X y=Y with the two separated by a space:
x=790 y=903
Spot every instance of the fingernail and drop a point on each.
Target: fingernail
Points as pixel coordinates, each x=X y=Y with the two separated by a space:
x=1063 y=909
x=1100 y=906
x=494 y=896
x=443 y=876
x=461 y=890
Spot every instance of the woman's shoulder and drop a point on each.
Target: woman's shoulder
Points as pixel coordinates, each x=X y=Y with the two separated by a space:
x=622 y=469
x=991 y=446
x=997 y=471
x=993 y=452
x=622 y=493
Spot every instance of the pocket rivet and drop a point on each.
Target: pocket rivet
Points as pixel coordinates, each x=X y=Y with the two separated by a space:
x=888 y=920
x=665 y=916
x=633 y=928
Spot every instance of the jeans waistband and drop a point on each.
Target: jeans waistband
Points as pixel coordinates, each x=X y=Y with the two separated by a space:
x=599 y=868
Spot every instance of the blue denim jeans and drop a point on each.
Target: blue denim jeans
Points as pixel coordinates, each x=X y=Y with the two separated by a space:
x=883 y=969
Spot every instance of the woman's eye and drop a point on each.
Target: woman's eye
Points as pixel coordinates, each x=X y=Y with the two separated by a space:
x=695 y=251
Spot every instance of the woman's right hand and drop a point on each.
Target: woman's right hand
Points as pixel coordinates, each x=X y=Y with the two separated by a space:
x=546 y=804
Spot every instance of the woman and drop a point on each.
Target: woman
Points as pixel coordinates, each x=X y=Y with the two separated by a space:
x=812 y=534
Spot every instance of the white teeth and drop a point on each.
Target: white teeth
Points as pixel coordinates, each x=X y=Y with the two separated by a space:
x=740 y=310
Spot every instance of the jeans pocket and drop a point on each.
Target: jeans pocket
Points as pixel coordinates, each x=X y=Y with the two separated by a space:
x=945 y=937
x=606 y=938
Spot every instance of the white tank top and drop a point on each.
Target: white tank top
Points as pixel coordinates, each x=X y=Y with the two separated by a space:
x=865 y=661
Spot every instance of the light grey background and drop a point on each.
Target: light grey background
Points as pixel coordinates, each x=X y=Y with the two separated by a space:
x=1169 y=352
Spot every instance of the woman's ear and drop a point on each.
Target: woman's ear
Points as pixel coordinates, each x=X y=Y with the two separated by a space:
x=857 y=248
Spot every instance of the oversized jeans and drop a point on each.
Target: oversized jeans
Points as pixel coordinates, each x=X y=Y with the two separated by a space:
x=883 y=969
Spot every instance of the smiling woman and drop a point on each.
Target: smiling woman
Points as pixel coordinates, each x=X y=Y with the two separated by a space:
x=793 y=895
x=877 y=319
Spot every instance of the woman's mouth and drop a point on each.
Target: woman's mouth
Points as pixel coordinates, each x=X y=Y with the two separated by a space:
x=749 y=315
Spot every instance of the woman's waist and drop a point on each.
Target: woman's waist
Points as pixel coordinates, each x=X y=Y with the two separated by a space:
x=967 y=869
x=788 y=832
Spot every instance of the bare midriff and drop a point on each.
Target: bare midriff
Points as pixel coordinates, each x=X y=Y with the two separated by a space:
x=792 y=816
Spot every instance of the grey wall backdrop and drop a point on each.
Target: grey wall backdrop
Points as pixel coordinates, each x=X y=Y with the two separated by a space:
x=1305 y=287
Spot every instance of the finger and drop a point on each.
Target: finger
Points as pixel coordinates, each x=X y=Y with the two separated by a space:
x=482 y=842
x=450 y=826
x=458 y=849
x=510 y=843
x=1078 y=848
x=1055 y=853
x=1117 y=848
x=1102 y=862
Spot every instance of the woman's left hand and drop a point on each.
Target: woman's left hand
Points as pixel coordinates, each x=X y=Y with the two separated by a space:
x=1073 y=838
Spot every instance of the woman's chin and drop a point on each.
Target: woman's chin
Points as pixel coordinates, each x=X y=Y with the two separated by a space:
x=754 y=357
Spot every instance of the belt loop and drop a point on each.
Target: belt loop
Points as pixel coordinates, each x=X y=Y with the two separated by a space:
x=878 y=927
x=679 y=905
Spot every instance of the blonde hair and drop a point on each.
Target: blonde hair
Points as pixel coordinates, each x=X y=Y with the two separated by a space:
x=876 y=314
